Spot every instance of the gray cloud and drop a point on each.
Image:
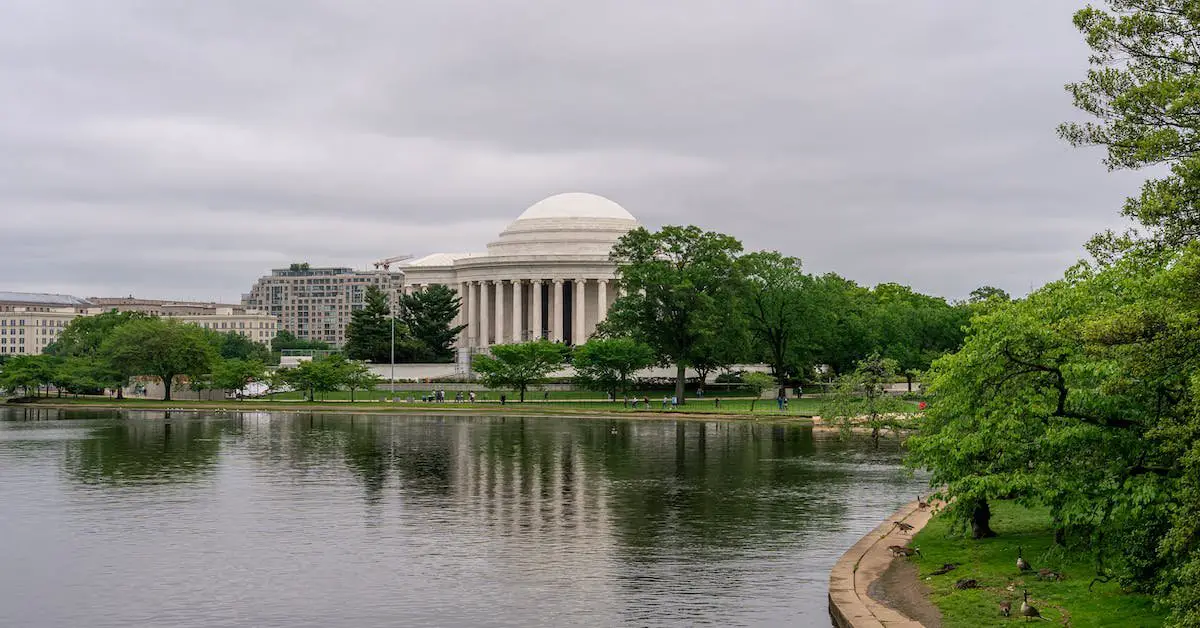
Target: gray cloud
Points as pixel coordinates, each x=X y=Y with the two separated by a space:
x=170 y=148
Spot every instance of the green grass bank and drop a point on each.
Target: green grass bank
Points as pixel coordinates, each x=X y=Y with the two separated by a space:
x=765 y=410
x=992 y=562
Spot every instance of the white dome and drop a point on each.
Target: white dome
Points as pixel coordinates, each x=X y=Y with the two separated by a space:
x=575 y=223
x=576 y=205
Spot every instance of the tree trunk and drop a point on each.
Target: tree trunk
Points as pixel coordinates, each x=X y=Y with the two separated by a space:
x=908 y=377
x=680 y=378
x=522 y=393
x=167 y=388
x=120 y=391
x=981 y=517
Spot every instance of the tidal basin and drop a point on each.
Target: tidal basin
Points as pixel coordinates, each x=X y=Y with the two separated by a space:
x=259 y=519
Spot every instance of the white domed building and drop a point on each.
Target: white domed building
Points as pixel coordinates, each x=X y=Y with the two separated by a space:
x=547 y=276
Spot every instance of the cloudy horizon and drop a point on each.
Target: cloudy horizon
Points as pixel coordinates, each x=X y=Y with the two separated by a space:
x=181 y=150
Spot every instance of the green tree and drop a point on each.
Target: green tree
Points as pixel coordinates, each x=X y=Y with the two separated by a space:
x=757 y=383
x=984 y=294
x=1083 y=397
x=519 y=366
x=913 y=329
x=83 y=338
x=777 y=303
x=678 y=289
x=79 y=375
x=84 y=335
x=237 y=373
x=841 y=323
x=608 y=364
x=429 y=315
x=369 y=333
x=27 y=373
x=287 y=341
x=861 y=398
x=319 y=375
x=164 y=349
x=235 y=346
x=1142 y=92
x=359 y=376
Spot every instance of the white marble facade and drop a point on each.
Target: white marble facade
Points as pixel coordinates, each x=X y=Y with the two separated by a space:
x=547 y=276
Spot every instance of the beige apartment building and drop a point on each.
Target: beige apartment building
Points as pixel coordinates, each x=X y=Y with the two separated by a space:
x=316 y=303
x=29 y=322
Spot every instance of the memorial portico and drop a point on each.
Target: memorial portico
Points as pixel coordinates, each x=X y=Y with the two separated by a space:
x=547 y=276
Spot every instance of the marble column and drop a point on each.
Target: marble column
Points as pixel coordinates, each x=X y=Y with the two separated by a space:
x=518 y=314
x=536 y=322
x=499 y=305
x=601 y=300
x=472 y=313
x=464 y=313
x=556 y=324
x=485 y=329
x=579 y=309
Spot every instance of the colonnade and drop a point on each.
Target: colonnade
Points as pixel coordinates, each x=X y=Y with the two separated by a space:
x=502 y=311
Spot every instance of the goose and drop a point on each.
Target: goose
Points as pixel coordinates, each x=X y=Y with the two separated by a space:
x=944 y=569
x=904 y=527
x=1022 y=564
x=966 y=583
x=900 y=550
x=1006 y=608
x=921 y=505
x=1028 y=611
x=1049 y=574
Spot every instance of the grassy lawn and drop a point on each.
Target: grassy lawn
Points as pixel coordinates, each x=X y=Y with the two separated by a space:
x=993 y=563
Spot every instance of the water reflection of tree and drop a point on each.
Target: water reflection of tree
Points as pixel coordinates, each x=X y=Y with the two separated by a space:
x=150 y=451
x=712 y=486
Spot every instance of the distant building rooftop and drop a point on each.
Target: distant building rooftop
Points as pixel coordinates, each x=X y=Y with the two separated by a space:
x=43 y=298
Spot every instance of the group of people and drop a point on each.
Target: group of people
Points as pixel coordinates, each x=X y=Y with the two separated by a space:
x=439 y=396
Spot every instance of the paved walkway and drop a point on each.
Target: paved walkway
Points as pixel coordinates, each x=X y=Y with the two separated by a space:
x=849 y=604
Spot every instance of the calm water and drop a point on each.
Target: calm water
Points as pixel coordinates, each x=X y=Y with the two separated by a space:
x=327 y=520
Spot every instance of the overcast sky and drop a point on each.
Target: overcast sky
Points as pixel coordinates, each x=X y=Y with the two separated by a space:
x=181 y=149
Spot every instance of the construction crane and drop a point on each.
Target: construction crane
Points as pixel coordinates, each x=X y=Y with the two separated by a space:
x=386 y=264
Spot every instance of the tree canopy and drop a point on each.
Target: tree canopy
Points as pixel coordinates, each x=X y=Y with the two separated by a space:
x=519 y=366
x=1083 y=396
x=679 y=288
x=608 y=364
x=163 y=348
x=428 y=315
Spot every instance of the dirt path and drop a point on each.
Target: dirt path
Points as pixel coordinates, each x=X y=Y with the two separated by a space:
x=900 y=588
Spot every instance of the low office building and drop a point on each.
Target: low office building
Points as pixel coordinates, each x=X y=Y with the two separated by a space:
x=316 y=303
x=254 y=324
x=30 y=322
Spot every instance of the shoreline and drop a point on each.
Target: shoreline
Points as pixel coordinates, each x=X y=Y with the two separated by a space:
x=338 y=407
x=850 y=602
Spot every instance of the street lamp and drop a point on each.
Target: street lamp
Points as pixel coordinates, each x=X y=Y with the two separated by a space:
x=392 y=361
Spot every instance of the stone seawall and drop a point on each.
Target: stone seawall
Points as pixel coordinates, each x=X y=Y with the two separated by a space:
x=862 y=564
